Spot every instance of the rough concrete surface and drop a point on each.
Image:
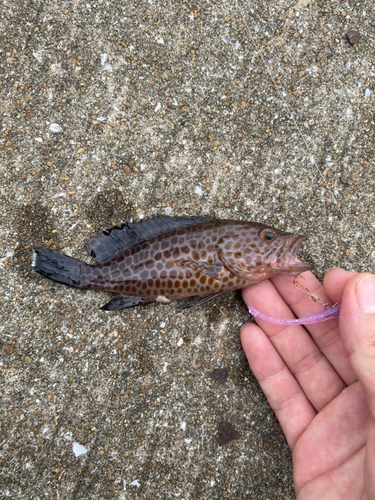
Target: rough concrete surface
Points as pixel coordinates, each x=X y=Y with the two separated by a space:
x=118 y=110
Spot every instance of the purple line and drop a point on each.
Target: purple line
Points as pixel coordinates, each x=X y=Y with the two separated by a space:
x=326 y=314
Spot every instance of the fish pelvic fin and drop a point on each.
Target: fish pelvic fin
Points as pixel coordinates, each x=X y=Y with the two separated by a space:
x=197 y=301
x=124 y=302
x=58 y=267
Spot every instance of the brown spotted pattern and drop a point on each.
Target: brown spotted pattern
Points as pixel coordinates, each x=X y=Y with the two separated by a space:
x=217 y=256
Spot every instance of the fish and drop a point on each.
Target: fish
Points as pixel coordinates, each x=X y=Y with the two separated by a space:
x=163 y=259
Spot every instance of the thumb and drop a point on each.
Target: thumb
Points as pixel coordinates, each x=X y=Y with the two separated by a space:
x=357 y=327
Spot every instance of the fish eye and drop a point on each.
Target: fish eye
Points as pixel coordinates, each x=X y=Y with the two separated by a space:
x=268 y=235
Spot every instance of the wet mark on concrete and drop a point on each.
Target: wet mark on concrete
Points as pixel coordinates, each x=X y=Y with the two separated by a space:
x=34 y=225
x=109 y=207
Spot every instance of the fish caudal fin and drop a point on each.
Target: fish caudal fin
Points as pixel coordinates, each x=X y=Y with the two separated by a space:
x=58 y=267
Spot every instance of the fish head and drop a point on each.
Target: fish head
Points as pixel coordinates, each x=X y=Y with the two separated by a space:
x=269 y=251
x=278 y=251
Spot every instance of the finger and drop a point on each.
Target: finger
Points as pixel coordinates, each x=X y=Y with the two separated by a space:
x=291 y=406
x=357 y=323
x=327 y=334
x=314 y=373
x=340 y=480
x=370 y=461
x=334 y=282
x=334 y=438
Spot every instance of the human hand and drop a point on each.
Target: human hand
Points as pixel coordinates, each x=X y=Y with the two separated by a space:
x=320 y=380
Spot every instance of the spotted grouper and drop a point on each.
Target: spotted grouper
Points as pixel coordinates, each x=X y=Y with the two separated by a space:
x=163 y=259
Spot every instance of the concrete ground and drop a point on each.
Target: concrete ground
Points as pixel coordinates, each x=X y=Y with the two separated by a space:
x=119 y=110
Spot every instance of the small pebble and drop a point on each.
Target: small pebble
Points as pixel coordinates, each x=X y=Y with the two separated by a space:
x=220 y=375
x=8 y=349
x=353 y=37
x=226 y=433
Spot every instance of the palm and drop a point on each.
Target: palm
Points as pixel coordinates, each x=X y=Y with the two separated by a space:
x=329 y=455
x=311 y=385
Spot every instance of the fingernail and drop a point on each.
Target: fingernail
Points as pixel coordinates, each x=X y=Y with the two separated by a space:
x=365 y=292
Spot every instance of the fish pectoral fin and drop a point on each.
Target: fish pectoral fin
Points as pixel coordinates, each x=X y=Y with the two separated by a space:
x=197 y=301
x=124 y=302
x=214 y=269
x=233 y=260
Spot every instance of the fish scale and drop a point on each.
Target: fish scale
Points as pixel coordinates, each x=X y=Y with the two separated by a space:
x=163 y=259
x=167 y=274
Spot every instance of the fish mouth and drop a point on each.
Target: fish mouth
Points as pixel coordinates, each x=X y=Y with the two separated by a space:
x=294 y=265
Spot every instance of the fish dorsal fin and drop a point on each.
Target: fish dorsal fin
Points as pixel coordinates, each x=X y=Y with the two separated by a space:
x=114 y=241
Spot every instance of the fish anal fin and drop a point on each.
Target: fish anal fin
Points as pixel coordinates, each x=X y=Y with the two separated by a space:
x=112 y=242
x=197 y=301
x=215 y=269
x=124 y=302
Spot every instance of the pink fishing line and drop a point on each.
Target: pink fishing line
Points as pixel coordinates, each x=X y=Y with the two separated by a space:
x=325 y=315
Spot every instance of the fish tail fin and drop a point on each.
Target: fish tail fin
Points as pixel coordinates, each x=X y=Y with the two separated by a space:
x=58 y=267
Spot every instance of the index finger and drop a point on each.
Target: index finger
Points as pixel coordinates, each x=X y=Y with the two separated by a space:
x=318 y=379
x=289 y=402
x=326 y=335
